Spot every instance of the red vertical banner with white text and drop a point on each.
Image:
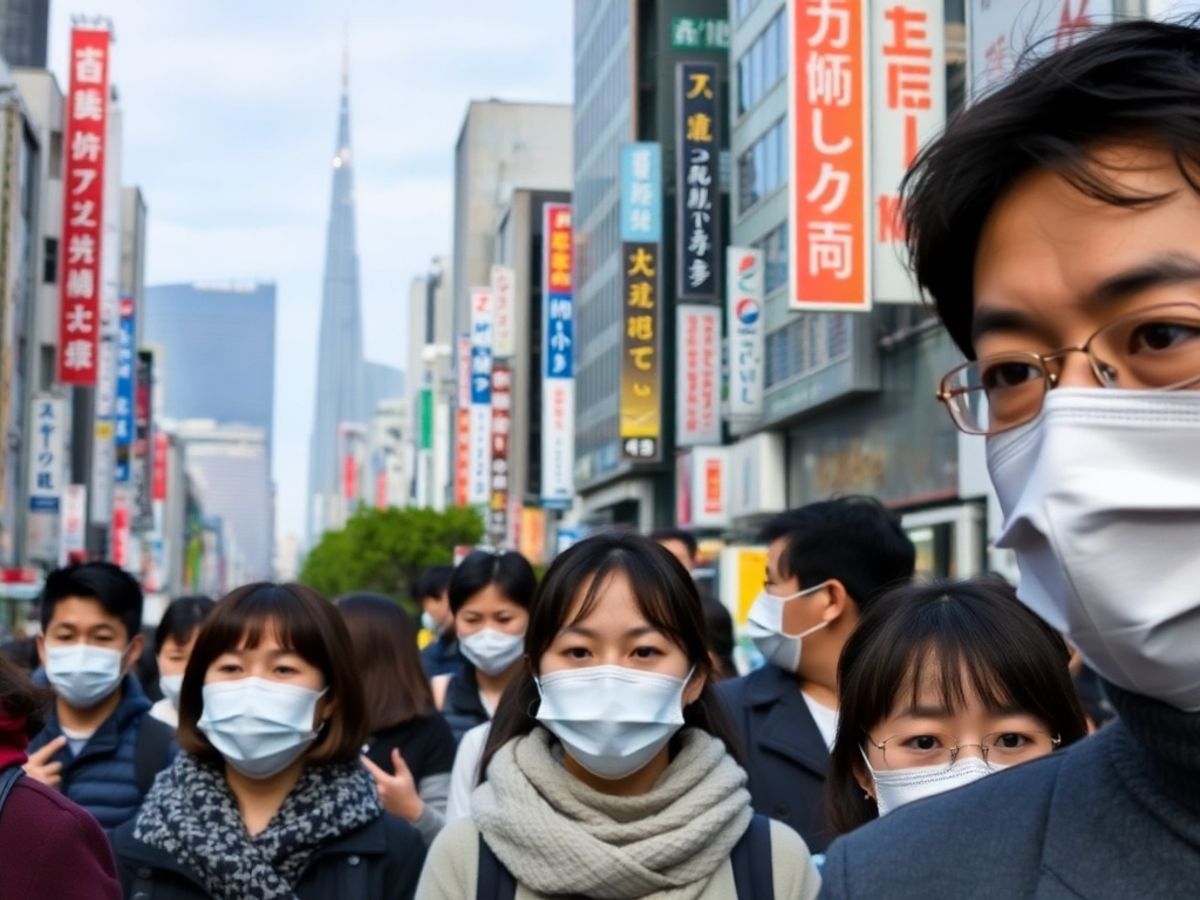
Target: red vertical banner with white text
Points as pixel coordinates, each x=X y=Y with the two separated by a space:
x=86 y=130
x=828 y=220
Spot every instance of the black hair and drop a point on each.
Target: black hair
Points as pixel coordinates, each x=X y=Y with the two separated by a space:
x=182 y=618
x=432 y=582
x=970 y=635
x=666 y=595
x=509 y=571
x=21 y=701
x=117 y=592
x=682 y=535
x=1137 y=81
x=854 y=539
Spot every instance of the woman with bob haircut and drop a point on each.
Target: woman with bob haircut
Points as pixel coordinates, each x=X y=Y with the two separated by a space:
x=410 y=750
x=940 y=685
x=609 y=769
x=267 y=798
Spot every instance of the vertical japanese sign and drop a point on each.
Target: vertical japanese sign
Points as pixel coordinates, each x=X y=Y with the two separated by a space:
x=498 y=479
x=462 y=424
x=1003 y=32
x=640 y=402
x=503 y=310
x=482 y=324
x=83 y=203
x=908 y=108
x=697 y=181
x=828 y=191
x=698 y=375
x=143 y=449
x=47 y=471
x=710 y=487
x=558 y=356
x=74 y=532
x=119 y=537
x=124 y=421
x=161 y=448
x=745 y=329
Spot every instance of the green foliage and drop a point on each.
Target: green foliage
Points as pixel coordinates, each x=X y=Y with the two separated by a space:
x=385 y=550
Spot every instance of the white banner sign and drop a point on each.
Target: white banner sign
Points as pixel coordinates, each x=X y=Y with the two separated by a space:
x=710 y=487
x=908 y=108
x=503 y=310
x=745 y=327
x=698 y=375
x=482 y=330
x=47 y=473
x=74 y=530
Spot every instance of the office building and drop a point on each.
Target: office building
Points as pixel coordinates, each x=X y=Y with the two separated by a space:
x=430 y=378
x=24 y=31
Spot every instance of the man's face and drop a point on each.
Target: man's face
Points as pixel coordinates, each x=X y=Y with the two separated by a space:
x=680 y=551
x=82 y=620
x=1053 y=265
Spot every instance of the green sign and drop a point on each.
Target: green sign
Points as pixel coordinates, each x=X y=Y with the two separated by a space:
x=427 y=419
x=691 y=33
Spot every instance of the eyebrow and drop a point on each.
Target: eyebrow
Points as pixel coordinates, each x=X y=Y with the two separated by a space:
x=1171 y=268
x=584 y=631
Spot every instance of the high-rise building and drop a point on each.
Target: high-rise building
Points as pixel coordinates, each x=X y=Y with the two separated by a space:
x=430 y=383
x=341 y=396
x=24 y=30
x=216 y=350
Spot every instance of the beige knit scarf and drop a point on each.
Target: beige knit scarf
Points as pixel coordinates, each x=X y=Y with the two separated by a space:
x=556 y=835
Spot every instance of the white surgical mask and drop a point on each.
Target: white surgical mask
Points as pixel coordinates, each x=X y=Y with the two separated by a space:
x=612 y=720
x=764 y=625
x=896 y=787
x=171 y=685
x=81 y=674
x=1101 y=496
x=430 y=624
x=260 y=726
x=491 y=651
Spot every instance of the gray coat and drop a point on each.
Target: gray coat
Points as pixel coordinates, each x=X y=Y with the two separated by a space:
x=1115 y=816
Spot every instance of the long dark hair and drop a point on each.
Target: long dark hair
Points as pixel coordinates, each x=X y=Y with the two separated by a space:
x=665 y=594
x=385 y=652
x=973 y=636
x=509 y=571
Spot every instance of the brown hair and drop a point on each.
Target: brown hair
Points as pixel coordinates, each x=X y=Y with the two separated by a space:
x=302 y=621
x=23 y=702
x=385 y=652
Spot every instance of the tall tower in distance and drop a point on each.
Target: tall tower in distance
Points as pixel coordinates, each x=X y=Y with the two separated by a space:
x=340 y=416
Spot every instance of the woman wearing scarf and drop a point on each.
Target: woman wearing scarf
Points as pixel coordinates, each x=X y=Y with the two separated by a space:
x=268 y=800
x=608 y=772
x=49 y=847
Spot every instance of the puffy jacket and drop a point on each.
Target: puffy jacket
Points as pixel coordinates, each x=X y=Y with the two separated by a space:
x=380 y=861
x=463 y=709
x=103 y=777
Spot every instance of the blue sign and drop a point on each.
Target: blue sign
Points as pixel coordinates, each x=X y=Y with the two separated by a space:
x=481 y=375
x=641 y=193
x=560 y=337
x=123 y=419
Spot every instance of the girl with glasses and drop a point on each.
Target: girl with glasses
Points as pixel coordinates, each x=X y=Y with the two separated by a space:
x=940 y=685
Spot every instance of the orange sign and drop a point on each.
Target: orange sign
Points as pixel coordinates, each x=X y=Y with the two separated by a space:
x=827 y=108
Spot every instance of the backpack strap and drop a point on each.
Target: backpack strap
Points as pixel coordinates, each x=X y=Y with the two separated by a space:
x=751 y=861
x=494 y=882
x=151 y=752
x=8 y=778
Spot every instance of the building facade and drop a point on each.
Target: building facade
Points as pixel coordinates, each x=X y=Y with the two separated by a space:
x=24 y=32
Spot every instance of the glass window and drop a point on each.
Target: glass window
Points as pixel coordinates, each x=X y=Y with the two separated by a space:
x=763 y=65
x=770 y=50
x=771 y=169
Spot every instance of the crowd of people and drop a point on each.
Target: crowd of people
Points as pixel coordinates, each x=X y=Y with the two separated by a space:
x=587 y=734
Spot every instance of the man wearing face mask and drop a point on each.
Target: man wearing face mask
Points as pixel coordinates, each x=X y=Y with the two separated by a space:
x=100 y=746
x=826 y=562
x=1055 y=226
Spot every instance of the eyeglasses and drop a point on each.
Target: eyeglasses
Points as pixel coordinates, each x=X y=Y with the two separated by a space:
x=1153 y=349
x=926 y=749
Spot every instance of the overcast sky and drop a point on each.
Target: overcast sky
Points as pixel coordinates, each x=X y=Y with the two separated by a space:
x=230 y=115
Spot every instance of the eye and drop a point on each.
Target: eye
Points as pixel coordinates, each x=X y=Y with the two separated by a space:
x=646 y=652
x=286 y=670
x=1011 y=740
x=576 y=653
x=923 y=742
x=999 y=376
x=1155 y=337
x=229 y=668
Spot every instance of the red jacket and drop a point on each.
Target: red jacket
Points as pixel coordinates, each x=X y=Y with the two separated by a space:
x=49 y=847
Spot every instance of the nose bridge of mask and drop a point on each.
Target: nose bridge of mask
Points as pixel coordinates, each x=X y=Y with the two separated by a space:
x=612 y=693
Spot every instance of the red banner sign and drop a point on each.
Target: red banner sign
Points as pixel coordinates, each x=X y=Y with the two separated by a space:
x=501 y=427
x=159 y=464
x=83 y=205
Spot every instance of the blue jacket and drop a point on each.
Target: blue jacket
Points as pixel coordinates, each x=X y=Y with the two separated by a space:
x=442 y=657
x=462 y=709
x=786 y=757
x=103 y=777
x=1115 y=816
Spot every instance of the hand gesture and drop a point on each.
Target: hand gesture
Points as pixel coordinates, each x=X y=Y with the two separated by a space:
x=397 y=791
x=42 y=765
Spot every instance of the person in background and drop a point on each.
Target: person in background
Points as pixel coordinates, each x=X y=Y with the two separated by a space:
x=683 y=546
x=489 y=595
x=1054 y=224
x=268 y=798
x=173 y=641
x=940 y=685
x=610 y=771
x=441 y=655
x=100 y=746
x=49 y=847
x=410 y=751
x=826 y=564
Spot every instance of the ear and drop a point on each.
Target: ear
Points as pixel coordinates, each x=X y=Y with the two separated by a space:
x=325 y=709
x=838 y=603
x=693 y=689
x=864 y=779
x=134 y=652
